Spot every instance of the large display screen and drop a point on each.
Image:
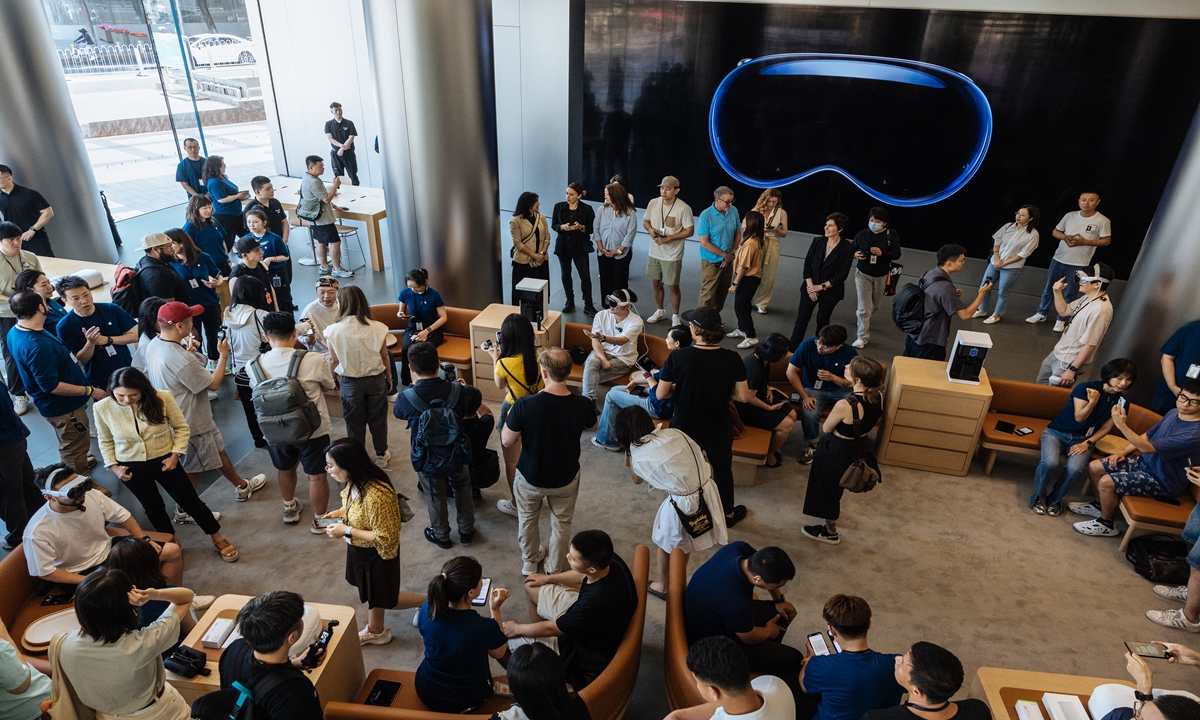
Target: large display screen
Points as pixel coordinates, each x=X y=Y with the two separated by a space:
x=952 y=120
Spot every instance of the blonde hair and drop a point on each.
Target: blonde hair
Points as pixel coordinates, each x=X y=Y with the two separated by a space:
x=557 y=363
x=761 y=204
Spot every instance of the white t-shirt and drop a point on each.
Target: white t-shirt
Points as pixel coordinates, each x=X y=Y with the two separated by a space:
x=74 y=540
x=357 y=346
x=133 y=670
x=1015 y=240
x=313 y=374
x=778 y=703
x=674 y=218
x=1089 y=322
x=1091 y=228
x=606 y=323
x=322 y=317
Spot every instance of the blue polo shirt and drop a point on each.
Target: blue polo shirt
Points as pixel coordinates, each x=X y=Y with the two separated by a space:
x=456 y=654
x=194 y=277
x=273 y=245
x=12 y=427
x=851 y=683
x=1184 y=346
x=809 y=360
x=189 y=171
x=55 y=313
x=719 y=600
x=422 y=306
x=720 y=228
x=1066 y=422
x=111 y=320
x=43 y=362
x=218 y=189
x=210 y=238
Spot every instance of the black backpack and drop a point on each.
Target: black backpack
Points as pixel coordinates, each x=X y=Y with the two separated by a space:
x=440 y=448
x=126 y=291
x=1159 y=558
x=237 y=702
x=908 y=307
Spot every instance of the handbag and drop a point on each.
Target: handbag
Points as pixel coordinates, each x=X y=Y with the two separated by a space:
x=63 y=703
x=892 y=284
x=862 y=476
x=310 y=209
x=736 y=421
x=699 y=522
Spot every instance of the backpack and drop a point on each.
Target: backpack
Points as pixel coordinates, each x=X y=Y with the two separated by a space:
x=440 y=448
x=908 y=307
x=284 y=412
x=237 y=702
x=486 y=472
x=126 y=292
x=1159 y=558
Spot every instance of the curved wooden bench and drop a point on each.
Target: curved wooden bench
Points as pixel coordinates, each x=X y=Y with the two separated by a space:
x=1147 y=515
x=681 y=691
x=456 y=350
x=407 y=706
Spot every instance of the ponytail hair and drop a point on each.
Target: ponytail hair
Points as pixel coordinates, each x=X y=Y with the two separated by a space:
x=578 y=188
x=870 y=373
x=418 y=275
x=457 y=579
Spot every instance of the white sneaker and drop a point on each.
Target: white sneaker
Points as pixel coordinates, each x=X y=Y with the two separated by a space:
x=1095 y=528
x=676 y=320
x=252 y=486
x=200 y=603
x=1177 y=593
x=735 y=334
x=182 y=518
x=506 y=507
x=341 y=273
x=529 y=568
x=1059 y=326
x=992 y=320
x=1173 y=618
x=21 y=404
x=760 y=309
x=659 y=314
x=979 y=314
x=602 y=446
x=417 y=618
x=365 y=636
x=382 y=460
x=291 y=512
x=1035 y=318
x=859 y=343
x=1087 y=509
x=212 y=396
x=748 y=343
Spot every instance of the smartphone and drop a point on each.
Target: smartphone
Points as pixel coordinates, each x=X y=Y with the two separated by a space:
x=1123 y=403
x=1147 y=649
x=383 y=693
x=328 y=522
x=819 y=646
x=484 y=591
x=501 y=688
x=1024 y=431
x=498 y=343
x=58 y=599
x=1005 y=427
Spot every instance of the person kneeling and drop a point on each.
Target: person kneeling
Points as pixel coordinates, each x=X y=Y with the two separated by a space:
x=722 y=676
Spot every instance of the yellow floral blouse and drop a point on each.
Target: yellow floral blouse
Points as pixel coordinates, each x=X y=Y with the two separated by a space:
x=377 y=510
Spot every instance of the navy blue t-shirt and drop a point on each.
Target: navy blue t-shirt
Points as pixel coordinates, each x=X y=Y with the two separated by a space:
x=111 y=320
x=719 y=600
x=54 y=315
x=851 y=683
x=210 y=238
x=809 y=360
x=194 y=277
x=220 y=188
x=12 y=427
x=456 y=667
x=43 y=362
x=422 y=306
x=1066 y=422
x=189 y=171
x=1184 y=346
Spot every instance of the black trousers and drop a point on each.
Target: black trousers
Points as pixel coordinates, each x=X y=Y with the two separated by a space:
x=19 y=497
x=772 y=657
x=520 y=272
x=281 y=283
x=614 y=275
x=719 y=450
x=245 y=394
x=743 y=306
x=824 y=305
x=210 y=323
x=12 y=378
x=145 y=478
x=913 y=349
x=234 y=228
x=583 y=264
x=343 y=164
x=39 y=245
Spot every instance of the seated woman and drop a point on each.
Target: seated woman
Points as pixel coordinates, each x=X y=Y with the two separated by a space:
x=139 y=560
x=768 y=408
x=455 y=675
x=672 y=462
x=539 y=685
x=26 y=688
x=426 y=313
x=617 y=398
x=1083 y=422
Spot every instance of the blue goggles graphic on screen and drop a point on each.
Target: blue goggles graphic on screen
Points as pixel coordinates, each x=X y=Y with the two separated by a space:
x=907 y=133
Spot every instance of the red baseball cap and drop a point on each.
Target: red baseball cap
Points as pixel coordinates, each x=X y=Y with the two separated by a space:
x=174 y=312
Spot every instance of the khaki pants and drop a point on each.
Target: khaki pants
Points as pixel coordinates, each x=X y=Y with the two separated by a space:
x=762 y=298
x=529 y=509
x=73 y=439
x=714 y=284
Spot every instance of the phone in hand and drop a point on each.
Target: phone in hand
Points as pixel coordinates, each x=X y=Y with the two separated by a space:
x=328 y=522
x=819 y=646
x=484 y=591
x=1147 y=650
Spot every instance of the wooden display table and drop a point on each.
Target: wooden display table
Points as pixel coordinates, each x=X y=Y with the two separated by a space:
x=56 y=267
x=365 y=204
x=1002 y=688
x=930 y=423
x=485 y=326
x=337 y=678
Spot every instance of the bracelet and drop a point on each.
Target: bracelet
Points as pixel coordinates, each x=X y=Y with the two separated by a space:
x=88 y=392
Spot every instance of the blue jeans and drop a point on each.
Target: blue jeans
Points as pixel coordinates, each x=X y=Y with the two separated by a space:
x=810 y=420
x=1056 y=272
x=1002 y=280
x=1048 y=484
x=1191 y=533
x=616 y=399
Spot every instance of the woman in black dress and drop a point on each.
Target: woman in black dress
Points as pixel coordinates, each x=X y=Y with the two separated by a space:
x=826 y=267
x=768 y=408
x=840 y=447
x=572 y=220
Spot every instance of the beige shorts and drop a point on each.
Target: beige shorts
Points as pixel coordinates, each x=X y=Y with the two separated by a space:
x=204 y=452
x=665 y=270
x=554 y=601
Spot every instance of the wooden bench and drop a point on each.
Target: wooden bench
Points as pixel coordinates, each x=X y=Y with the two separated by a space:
x=407 y=706
x=681 y=691
x=456 y=350
x=1147 y=515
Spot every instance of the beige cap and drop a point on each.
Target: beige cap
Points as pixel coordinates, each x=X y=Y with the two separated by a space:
x=154 y=240
x=669 y=181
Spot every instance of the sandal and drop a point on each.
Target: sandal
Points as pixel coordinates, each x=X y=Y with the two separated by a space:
x=777 y=463
x=656 y=593
x=228 y=552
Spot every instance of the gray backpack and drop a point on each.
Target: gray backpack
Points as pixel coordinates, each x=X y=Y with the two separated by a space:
x=284 y=412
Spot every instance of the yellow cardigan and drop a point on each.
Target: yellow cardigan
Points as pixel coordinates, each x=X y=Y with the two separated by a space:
x=523 y=237
x=125 y=438
x=376 y=510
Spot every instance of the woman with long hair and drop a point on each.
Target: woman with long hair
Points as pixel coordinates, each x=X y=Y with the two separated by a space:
x=747 y=274
x=206 y=232
x=671 y=461
x=139 y=560
x=826 y=268
x=227 y=199
x=358 y=353
x=573 y=220
x=114 y=667
x=455 y=675
x=531 y=242
x=1012 y=245
x=615 y=229
x=244 y=327
x=142 y=435
x=426 y=313
x=768 y=408
x=202 y=276
x=840 y=447
x=517 y=373
x=539 y=686
x=370 y=513
x=276 y=257
x=775 y=220
x=39 y=282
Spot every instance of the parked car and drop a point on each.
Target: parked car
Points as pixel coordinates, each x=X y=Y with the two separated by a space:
x=219 y=49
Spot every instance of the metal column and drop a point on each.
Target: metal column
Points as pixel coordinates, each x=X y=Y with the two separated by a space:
x=40 y=137
x=435 y=82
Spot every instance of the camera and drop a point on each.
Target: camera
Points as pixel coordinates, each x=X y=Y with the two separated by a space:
x=487 y=345
x=449 y=372
x=222 y=333
x=188 y=662
x=310 y=659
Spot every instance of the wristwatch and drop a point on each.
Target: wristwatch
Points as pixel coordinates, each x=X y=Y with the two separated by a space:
x=1072 y=368
x=1143 y=697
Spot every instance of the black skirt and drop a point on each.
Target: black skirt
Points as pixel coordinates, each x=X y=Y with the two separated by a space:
x=761 y=418
x=377 y=580
x=823 y=497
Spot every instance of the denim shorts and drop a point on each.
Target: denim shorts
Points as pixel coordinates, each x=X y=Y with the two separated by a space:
x=310 y=455
x=1130 y=478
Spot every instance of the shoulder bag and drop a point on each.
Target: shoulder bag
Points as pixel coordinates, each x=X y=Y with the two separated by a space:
x=512 y=251
x=699 y=522
x=862 y=476
x=63 y=703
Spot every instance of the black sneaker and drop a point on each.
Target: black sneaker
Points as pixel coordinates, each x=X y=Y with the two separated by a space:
x=569 y=307
x=739 y=514
x=821 y=534
x=589 y=310
x=1039 y=508
x=466 y=538
x=806 y=457
x=443 y=544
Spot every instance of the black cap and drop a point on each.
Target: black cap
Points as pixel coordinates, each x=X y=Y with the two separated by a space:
x=247 y=244
x=704 y=318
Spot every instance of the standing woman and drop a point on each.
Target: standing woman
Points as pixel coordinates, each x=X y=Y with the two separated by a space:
x=244 y=323
x=672 y=462
x=425 y=311
x=227 y=199
x=768 y=408
x=826 y=268
x=573 y=220
x=747 y=274
x=142 y=435
x=1012 y=245
x=531 y=241
x=616 y=227
x=276 y=257
x=370 y=515
x=358 y=353
x=148 y=327
x=839 y=447
x=202 y=276
x=206 y=232
x=774 y=227
x=517 y=373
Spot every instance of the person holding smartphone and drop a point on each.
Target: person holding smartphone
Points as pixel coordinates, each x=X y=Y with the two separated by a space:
x=767 y=408
x=518 y=375
x=1113 y=701
x=425 y=311
x=844 y=685
x=630 y=395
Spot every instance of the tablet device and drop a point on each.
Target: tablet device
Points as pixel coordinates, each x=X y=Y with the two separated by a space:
x=1147 y=649
x=1005 y=427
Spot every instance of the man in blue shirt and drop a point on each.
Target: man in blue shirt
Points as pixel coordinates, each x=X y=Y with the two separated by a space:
x=719 y=230
x=189 y=169
x=19 y=497
x=848 y=683
x=817 y=372
x=53 y=379
x=1180 y=361
x=99 y=334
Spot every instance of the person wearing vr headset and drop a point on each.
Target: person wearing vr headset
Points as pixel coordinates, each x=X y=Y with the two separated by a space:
x=614 y=335
x=64 y=541
x=1079 y=234
x=1087 y=320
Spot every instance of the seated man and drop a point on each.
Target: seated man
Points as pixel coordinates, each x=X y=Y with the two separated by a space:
x=614 y=335
x=587 y=609
x=848 y=683
x=63 y=543
x=817 y=373
x=931 y=675
x=617 y=398
x=719 y=601
x=269 y=625
x=1169 y=447
x=722 y=676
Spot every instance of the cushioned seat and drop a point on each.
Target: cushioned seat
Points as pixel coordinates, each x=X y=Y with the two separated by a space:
x=456 y=350
x=1023 y=404
x=681 y=691
x=1147 y=515
x=407 y=706
x=1030 y=442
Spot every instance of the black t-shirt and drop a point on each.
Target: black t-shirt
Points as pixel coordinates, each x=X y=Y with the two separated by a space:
x=293 y=699
x=24 y=206
x=758 y=377
x=259 y=272
x=970 y=709
x=888 y=241
x=550 y=427
x=158 y=279
x=704 y=383
x=430 y=389
x=594 y=626
x=276 y=215
x=341 y=131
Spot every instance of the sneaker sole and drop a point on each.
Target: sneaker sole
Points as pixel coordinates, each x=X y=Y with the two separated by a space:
x=383 y=640
x=821 y=539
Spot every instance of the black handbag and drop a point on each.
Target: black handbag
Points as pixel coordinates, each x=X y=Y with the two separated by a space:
x=862 y=476
x=1159 y=558
x=700 y=522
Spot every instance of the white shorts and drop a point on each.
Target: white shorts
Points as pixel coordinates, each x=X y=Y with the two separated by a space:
x=553 y=602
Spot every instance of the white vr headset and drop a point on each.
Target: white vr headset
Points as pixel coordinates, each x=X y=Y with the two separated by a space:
x=73 y=490
x=1083 y=277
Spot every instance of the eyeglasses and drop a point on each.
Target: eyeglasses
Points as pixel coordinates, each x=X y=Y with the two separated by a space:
x=1190 y=402
x=1137 y=709
x=727 y=202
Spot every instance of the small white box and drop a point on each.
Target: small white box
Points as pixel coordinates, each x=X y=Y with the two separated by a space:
x=217 y=633
x=1029 y=710
x=1064 y=707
